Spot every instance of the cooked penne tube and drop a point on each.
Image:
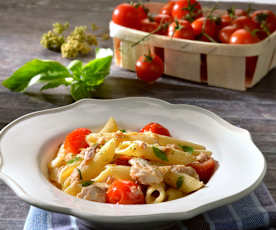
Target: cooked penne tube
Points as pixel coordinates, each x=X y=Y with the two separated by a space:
x=148 y=137
x=173 y=194
x=114 y=171
x=183 y=182
x=154 y=153
x=66 y=171
x=110 y=126
x=155 y=194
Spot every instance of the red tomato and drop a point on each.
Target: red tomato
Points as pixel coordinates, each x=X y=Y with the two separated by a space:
x=75 y=140
x=210 y=28
x=266 y=20
x=163 y=20
x=245 y=22
x=149 y=68
x=148 y=25
x=243 y=36
x=167 y=8
x=125 y=192
x=187 y=9
x=226 y=32
x=122 y=160
x=226 y=20
x=239 y=12
x=127 y=15
x=142 y=11
x=204 y=169
x=181 y=29
x=156 y=128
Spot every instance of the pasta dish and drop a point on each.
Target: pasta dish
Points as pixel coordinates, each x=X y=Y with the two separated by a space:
x=128 y=167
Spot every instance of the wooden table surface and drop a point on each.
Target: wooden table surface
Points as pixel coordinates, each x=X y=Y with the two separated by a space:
x=21 y=26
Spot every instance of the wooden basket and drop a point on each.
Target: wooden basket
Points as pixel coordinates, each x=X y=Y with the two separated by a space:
x=221 y=65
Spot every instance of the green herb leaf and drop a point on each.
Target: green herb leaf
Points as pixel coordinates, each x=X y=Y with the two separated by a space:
x=53 y=84
x=75 y=67
x=21 y=78
x=86 y=183
x=179 y=182
x=187 y=149
x=73 y=160
x=96 y=70
x=80 y=90
x=123 y=130
x=79 y=173
x=160 y=154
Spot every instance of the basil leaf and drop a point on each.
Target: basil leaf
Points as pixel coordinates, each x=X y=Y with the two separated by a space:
x=21 y=78
x=123 y=130
x=75 y=67
x=160 y=154
x=187 y=149
x=179 y=182
x=86 y=183
x=95 y=71
x=73 y=160
x=79 y=173
x=80 y=90
x=53 y=84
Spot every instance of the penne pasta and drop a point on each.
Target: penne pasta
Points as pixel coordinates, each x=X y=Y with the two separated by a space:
x=110 y=126
x=173 y=194
x=155 y=194
x=114 y=171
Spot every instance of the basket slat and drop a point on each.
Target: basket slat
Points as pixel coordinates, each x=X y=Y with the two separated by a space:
x=182 y=64
x=226 y=71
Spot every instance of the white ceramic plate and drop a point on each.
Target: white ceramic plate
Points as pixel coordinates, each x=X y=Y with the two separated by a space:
x=28 y=143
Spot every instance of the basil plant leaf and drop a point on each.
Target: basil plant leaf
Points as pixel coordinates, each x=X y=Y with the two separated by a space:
x=22 y=78
x=95 y=71
x=80 y=90
x=54 y=84
x=75 y=67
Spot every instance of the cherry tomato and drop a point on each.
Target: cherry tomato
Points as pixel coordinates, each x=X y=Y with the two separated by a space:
x=204 y=169
x=243 y=36
x=122 y=160
x=127 y=15
x=163 y=20
x=187 y=9
x=149 y=68
x=209 y=29
x=181 y=29
x=266 y=20
x=226 y=20
x=125 y=192
x=148 y=25
x=226 y=32
x=167 y=8
x=245 y=22
x=142 y=11
x=75 y=140
x=156 y=128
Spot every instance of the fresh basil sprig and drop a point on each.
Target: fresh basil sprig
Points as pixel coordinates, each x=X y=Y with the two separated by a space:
x=160 y=154
x=81 y=79
x=187 y=149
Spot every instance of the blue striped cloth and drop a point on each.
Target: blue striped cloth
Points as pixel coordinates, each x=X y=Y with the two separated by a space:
x=255 y=211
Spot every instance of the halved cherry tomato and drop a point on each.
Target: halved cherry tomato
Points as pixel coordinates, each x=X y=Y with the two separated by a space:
x=167 y=8
x=226 y=32
x=266 y=20
x=187 y=9
x=75 y=140
x=204 y=169
x=149 y=68
x=122 y=160
x=181 y=29
x=128 y=15
x=245 y=22
x=155 y=128
x=125 y=192
x=204 y=25
x=243 y=36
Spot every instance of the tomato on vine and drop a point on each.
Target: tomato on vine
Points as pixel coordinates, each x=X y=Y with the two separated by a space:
x=243 y=36
x=205 y=29
x=187 y=9
x=167 y=8
x=181 y=29
x=226 y=32
x=149 y=68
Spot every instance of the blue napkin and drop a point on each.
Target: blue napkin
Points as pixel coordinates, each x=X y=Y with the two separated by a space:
x=255 y=211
